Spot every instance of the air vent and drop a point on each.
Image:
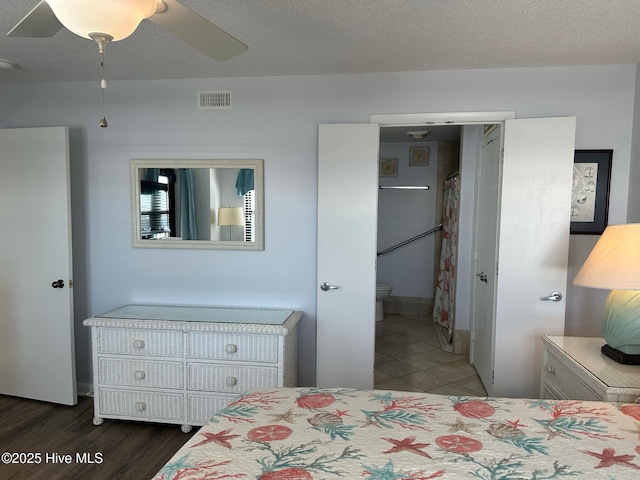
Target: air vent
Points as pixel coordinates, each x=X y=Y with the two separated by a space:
x=214 y=100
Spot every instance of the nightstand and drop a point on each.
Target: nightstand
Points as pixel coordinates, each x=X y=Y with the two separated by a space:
x=574 y=369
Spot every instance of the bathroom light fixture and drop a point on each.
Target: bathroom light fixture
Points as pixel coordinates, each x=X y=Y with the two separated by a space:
x=6 y=64
x=418 y=134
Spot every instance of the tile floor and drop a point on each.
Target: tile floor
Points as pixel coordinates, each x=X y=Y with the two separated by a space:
x=409 y=358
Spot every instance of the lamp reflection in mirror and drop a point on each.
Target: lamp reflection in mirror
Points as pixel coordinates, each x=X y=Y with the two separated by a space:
x=230 y=216
x=614 y=264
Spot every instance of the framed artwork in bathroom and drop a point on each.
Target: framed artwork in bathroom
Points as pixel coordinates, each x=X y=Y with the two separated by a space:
x=590 y=191
x=388 y=167
x=419 y=156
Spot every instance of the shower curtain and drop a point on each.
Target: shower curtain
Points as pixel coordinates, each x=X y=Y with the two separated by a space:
x=444 y=303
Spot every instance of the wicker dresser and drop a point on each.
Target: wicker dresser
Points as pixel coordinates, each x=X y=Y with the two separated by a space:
x=574 y=369
x=174 y=364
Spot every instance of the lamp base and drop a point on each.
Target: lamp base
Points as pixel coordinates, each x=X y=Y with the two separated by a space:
x=620 y=357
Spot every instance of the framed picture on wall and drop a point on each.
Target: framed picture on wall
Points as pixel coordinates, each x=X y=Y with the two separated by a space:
x=418 y=156
x=590 y=191
x=388 y=167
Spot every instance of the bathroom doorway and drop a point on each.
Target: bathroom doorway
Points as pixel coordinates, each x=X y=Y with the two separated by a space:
x=348 y=176
x=347 y=262
x=410 y=212
x=412 y=352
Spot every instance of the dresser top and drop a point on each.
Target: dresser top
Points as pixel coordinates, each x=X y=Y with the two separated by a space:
x=586 y=352
x=263 y=316
x=177 y=317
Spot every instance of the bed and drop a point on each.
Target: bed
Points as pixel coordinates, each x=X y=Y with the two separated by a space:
x=313 y=433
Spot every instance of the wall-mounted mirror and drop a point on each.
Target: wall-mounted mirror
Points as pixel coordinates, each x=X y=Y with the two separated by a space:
x=215 y=204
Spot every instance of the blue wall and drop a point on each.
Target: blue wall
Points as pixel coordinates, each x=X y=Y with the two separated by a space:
x=276 y=118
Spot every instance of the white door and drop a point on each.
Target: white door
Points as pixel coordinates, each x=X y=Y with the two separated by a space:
x=533 y=248
x=488 y=174
x=36 y=322
x=347 y=240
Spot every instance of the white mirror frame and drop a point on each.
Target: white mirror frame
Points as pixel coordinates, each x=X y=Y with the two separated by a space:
x=256 y=164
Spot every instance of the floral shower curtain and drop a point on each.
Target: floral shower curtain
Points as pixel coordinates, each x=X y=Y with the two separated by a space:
x=444 y=305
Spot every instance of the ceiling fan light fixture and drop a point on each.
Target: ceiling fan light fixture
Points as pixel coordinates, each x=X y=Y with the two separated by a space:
x=115 y=18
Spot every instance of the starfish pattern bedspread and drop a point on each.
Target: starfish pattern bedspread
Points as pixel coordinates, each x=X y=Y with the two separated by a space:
x=322 y=433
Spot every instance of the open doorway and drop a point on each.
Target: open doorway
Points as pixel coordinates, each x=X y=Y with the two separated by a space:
x=413 y=352
x=348 y=177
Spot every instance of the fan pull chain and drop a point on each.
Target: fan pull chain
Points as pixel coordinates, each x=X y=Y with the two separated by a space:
x=102 y=39
x=103 y=85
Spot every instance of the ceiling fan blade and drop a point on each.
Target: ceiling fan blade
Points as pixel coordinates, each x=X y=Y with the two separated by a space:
x=187 y=25
x=40 y=22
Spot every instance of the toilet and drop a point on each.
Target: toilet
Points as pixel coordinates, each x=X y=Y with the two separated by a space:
x=383 y=290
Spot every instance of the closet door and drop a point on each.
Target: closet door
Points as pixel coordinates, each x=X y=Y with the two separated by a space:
x=347 y=240
x=36 y=323
x=533 y=247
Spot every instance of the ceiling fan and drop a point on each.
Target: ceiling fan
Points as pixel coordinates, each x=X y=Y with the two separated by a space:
x=107 y=21
x=113 y=20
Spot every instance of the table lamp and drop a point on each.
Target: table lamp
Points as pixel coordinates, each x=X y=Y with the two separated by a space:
x=230 y=216
x=614 y=264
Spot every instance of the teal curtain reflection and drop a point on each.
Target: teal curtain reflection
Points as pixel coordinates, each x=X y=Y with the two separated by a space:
x=187 y=205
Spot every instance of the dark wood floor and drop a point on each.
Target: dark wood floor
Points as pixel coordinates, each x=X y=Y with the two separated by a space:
x=129 y=450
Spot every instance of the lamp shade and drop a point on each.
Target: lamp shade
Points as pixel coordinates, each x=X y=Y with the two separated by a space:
x=117 y=18
x=614 y=262
x=230 y=216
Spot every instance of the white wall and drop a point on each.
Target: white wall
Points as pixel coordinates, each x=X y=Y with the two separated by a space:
x=403 y=214
x=276 y=118
x=633 y=215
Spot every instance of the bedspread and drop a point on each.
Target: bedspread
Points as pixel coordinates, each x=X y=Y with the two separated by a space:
x=313 y=433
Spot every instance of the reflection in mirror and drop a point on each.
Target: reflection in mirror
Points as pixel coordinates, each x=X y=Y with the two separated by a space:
x=215 y=204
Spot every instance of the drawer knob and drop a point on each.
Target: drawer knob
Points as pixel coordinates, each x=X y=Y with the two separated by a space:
x=231 y=348
x=141 y=406
x=232 y=381
x=138 y=343
x=551 y=369
x=139 y=374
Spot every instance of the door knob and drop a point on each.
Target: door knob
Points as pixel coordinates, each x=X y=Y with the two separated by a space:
x=552 y=297
x=325 y=287
x=58 y=283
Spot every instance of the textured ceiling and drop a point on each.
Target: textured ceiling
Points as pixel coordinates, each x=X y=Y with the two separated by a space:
x=311 y=37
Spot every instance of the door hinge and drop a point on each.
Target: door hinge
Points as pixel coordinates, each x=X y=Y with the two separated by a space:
x=493 y=376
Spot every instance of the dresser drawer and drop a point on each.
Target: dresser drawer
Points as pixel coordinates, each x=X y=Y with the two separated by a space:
x=557 y=375
x=549 y=392
x=229 y=378
x=140 y=342
x=140 y=373
x=201 y=408
x=142 y=405
x=237 y=347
